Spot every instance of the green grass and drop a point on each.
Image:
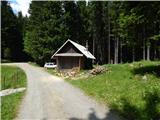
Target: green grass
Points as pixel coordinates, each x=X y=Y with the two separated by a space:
x=12 y=77
x=52 y=71
x=10 y=103
x=125 y=91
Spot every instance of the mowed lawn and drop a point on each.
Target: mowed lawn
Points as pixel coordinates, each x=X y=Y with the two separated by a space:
x=133 y=90
x=11 y=77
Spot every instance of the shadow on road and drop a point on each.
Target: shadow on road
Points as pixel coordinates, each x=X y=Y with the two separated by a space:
x=92 y=116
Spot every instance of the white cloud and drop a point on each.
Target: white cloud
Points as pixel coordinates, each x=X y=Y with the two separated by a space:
x=21 y=5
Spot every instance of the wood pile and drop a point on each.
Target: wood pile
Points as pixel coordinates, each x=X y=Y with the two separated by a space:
x=70 y=73
x=98 y=70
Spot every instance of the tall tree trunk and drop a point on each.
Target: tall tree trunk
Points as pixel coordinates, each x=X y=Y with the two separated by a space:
x=93 y=49
x=133 y=53
x=148 y=52
x=120 y=51
x=116 y=50
x=155 y=52
x=117 y=44
x=109 y=56
x=144 y=48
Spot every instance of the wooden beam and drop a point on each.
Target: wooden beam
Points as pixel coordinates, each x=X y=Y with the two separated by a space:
x=79 y=63
x=57 y=63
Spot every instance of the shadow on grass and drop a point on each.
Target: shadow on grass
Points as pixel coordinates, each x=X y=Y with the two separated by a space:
x=92 y=116
x=153 y=69
x=131 y=112
x=149 y=112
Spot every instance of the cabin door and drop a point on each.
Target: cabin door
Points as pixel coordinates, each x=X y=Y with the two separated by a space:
x=68 y=62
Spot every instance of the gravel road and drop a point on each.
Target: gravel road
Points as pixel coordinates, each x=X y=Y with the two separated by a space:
x=51 y=98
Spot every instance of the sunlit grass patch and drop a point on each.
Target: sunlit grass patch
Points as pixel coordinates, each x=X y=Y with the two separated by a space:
x=12 y=77
x=126 y=90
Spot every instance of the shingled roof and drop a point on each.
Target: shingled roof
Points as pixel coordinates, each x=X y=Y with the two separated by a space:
x=81 y=48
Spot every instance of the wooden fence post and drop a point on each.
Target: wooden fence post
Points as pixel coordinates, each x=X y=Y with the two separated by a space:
x=12 y=80
x=17 y=77
x=4 y=82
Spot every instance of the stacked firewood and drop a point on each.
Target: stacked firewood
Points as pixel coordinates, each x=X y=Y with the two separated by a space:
x=70 y=73
x=98 y=70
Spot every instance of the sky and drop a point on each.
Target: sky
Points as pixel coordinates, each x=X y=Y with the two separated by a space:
x=20 y=5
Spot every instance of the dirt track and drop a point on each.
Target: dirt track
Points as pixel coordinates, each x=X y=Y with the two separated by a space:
x=50 y=97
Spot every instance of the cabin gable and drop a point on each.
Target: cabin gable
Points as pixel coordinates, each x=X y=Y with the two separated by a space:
x=69 y=48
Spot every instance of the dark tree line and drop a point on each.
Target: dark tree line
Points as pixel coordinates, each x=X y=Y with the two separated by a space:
x=12 y=32
x=116 y=32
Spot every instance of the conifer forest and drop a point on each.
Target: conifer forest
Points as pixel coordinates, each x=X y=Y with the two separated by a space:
x=116 y=31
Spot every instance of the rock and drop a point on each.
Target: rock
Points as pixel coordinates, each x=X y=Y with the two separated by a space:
x=144 y=77
x=140 y=65
x=131 y=65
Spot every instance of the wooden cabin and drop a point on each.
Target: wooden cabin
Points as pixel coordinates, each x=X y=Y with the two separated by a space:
x=73 y=55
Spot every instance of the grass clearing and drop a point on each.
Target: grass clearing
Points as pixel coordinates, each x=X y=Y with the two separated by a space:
x=12 y=77
x=10 y=103
x=133 y=90
x=52 y=71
